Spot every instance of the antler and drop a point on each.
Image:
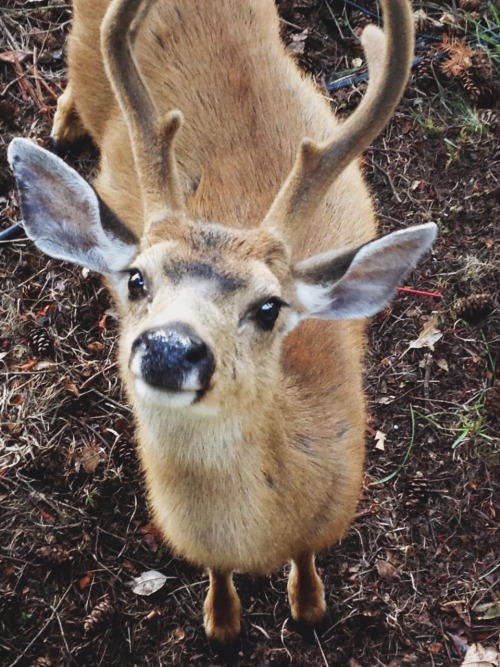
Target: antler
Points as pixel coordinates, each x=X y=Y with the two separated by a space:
x=152 y=137
x=389 y=55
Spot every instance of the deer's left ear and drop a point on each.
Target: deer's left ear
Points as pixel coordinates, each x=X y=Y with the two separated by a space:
x=357 y=283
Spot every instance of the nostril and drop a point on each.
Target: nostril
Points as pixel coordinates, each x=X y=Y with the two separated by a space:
x=196 y=353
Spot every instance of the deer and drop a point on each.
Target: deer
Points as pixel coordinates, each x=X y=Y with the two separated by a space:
x=233 y=227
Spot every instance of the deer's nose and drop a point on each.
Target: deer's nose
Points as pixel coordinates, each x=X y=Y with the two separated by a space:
x=173 y=358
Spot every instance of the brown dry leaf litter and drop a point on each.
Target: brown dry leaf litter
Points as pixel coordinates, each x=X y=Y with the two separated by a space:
x=413 y=581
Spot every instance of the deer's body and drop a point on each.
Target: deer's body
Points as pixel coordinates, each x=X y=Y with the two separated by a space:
x=250 y=425
x=282 y=475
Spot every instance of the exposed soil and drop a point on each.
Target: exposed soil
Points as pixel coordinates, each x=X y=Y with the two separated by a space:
x=416 y=580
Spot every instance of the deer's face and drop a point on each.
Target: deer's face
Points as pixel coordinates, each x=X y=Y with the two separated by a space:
x=204 y=308
x=204 y=316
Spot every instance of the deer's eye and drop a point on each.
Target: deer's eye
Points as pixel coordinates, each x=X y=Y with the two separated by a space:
x=136 y=285
x=267 y=314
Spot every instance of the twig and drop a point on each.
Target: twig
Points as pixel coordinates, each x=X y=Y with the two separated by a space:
x=89 y=380
x=321 y=649
x=417 y=292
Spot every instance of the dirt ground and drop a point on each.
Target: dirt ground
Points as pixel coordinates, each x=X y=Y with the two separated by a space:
x=416 y=580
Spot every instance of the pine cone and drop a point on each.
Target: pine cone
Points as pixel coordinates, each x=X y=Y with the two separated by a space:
x=492 y=401
x=482 y=65
x=474 y=308
x=41 y=342
x=99 y=617
x=416 y=494
x=426 y=69
x=124 y=456
x=421 y=20
x=54 y=554
x=471 y=86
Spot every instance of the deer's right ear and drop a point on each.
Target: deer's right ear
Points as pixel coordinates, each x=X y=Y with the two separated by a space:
x=63 y=214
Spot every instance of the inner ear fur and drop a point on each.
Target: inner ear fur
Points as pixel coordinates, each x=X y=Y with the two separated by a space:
x=326 y=268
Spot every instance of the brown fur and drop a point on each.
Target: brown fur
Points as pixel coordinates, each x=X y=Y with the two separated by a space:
x=268 y=468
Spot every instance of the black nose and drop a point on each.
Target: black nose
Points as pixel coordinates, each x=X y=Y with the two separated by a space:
x=173 y=358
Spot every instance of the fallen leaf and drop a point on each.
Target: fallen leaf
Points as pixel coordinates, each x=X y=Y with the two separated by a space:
x=435 y=648
x=29 y=365
x=154 y=613
x=96 y=346
x=429 y=335
x=101 y=325
x=477 y=656
x=380 y=441
x=71 y=386
x=90 y=459
x=385 y=400
x=148 y=583
x=86 y=580
x=443 y=365
x=14 y=56
x=491 y=610
x=386 y=570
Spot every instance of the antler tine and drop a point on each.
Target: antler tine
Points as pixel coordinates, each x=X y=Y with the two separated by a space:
x=389 y=55
x=152 y=138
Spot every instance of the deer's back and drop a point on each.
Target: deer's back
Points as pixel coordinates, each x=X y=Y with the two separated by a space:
x=246 y=106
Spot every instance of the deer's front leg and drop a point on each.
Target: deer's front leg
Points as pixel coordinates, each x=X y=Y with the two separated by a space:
x=222 y=608
x=305 y=591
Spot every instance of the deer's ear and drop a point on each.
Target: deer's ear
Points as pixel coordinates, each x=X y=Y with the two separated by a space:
x=357 y=283
x=63 y=214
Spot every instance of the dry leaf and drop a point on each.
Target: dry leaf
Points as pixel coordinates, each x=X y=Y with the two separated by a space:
x=385 y=400
x=443 y=365
x=148 y=583
x=429 y=335
x=71 y=386
x=380 y=440
x=477 y=656
x=101 y=325
x=386 y=570
x=29 y=365
x=491 y=610
x=96 y=346
x=86 y=580
x=14 y=56
x=90 y=459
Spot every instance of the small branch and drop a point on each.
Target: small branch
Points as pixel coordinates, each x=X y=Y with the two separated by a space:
x=418 y=292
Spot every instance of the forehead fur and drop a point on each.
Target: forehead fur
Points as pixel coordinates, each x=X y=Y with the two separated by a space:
x=215 y=251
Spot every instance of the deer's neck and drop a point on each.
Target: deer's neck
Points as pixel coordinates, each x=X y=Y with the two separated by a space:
x=198 y=439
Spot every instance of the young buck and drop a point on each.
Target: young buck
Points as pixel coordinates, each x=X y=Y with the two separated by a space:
x=242 y=274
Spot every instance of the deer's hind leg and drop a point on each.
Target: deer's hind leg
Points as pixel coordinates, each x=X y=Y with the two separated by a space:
x=305 y=591
x=222 y=608
x=67 y=127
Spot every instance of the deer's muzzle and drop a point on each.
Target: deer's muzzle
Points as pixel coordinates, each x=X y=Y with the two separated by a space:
x=172 y=358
